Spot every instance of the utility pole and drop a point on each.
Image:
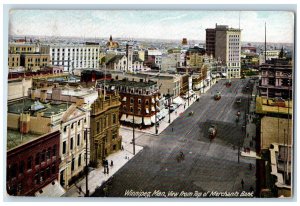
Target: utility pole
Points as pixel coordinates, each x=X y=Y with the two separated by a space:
x=86 y=165
x=169 y=104
x=133 y=132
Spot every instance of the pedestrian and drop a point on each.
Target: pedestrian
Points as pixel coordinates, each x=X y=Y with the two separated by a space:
x=80 y=190
x=247 y=134
x=122 y=148
x=184 y=106
x=251 y=189
x=107 y=170
x=111 y=163
x=176 y=112
x=172 y=129
x=242 y=183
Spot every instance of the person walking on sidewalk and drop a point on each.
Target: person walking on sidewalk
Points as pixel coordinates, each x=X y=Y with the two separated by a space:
x=242 y=183
x=172 y=129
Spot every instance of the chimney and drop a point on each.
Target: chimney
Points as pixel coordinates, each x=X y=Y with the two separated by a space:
x=24 y=123
x=43 y=95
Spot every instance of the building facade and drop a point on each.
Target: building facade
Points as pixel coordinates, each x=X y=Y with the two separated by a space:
x=75 y=56
x=227 y=48
x=104 y=130
x=32 y=163
x=138 y=100
x=276 y=81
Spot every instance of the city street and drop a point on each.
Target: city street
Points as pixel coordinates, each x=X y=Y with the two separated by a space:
x=206 y=166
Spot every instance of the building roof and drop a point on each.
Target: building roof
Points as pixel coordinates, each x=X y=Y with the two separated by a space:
x=129 y=83
x=15 y=138
x=33 y=107
x=115 y=59
x=264 y=106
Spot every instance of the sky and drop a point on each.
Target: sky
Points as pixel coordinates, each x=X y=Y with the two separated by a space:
x=162 y=24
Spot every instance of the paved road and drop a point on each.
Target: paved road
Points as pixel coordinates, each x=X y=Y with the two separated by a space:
x=207 y=166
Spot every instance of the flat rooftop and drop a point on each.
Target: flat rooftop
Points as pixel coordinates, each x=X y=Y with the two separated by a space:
x=33 y=107
x=128 y=83
x=15 y=138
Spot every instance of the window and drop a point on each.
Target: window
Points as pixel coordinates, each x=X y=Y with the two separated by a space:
x=22 y=165
x=37 y=159
x=98 y=126
x=78 y=123
x=114 y=136
x=79 y=160
x=73 y=164
x=131 y=101
x=114 y=147
x=114 y=118
x=14 y=170
x=43 y=156
x=131 y=109
x=71 y=143
x=72 y=125
x=29 y=163
x=48 y=153
x=65 y=128
x=64 y=147
x=139 y=101
x=147 y=102
x=78 y=139
x=48 y=172
x=53 y=150
x=84 y=120
x=53 y=168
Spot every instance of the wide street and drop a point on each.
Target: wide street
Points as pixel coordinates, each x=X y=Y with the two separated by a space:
x=207 y=166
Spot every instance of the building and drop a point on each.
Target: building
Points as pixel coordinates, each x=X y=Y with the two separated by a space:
x=32 y=162
x=33 y=61
x=210 y=42
x=276 y=81
x=42 y=115
x=90 y=76
x=14 y=61
x=75 y=56
x=138 y=100
x=169 y=62
x=184 y=41
x=227 y=43
x=112 y=44
x=104 y=129
x=268 y=55
x=195 y=57
x=18 y=88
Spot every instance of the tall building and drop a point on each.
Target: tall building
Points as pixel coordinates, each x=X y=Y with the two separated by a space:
x=227 y=48
x=129 y=55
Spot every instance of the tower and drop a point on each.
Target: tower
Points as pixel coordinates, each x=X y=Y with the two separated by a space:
x=129 y=55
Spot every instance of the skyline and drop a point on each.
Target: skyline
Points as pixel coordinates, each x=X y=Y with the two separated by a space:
x=140 y=24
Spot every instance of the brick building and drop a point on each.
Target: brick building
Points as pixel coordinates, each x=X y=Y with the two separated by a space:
x=138 y=99
x=32 y=162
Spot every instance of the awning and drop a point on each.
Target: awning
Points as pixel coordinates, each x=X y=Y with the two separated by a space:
x=123 y=118
x=124 y=99
x=147 y=110
x=138 y=120
x=152 y=109
x=153 y=119
x=53 y=189
x=147 y=120
x=153 y=101
x=178 y=100
x=129 y=118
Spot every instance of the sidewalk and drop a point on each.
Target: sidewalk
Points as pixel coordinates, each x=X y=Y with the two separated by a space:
x=164 y=123
x=250 y=139
x=97 y=177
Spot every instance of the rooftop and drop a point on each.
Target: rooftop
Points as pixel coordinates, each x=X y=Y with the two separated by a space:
x=128 y=83
x=33 y=107
x=15 y=138
x=264 y=106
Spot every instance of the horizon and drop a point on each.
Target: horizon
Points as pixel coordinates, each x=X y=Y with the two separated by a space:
x=147 y=24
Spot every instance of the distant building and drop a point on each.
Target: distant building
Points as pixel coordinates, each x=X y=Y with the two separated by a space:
x=34 y=61
x=32 y=161
x=227 y=42
x=104 y=137
x=75 y=56
x=112 y=44
x=88 y=76
x=184 y=41
x=18 y=88
x=269 y=55
x=14 y=60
